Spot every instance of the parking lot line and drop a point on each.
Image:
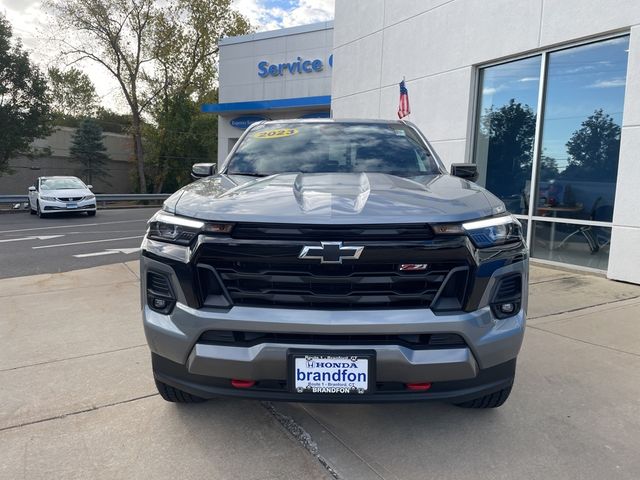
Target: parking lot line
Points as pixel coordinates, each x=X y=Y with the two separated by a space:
x=88 y=241
x=35 y=237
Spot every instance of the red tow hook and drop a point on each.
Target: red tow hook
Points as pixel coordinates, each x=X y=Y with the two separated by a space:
x=418 y=387
x=242 y=383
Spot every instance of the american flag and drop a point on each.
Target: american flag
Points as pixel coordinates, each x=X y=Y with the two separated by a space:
x=403 y=105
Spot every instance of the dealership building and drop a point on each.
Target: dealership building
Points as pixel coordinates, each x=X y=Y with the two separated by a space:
x=271 y=75
x=543 y=95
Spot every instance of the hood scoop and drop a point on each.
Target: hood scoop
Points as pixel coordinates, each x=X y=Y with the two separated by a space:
x=331 y=193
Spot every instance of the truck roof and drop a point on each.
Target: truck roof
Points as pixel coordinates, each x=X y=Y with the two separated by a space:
x=333 y=120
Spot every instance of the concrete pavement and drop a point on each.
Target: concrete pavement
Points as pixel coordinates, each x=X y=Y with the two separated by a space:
x=78 y=399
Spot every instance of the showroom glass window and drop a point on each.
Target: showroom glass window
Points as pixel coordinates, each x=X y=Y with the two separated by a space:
x=577 y=158
x=506 y=129
x=581 y=128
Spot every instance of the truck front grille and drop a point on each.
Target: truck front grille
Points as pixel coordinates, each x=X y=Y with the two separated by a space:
x=304 y=285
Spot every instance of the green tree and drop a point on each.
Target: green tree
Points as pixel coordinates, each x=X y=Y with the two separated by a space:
x=548 y=168
x=510 y=131
x=594 y=149
x=24 y=102
x=111 y=121
x=108 y=120
x=135 y=39
x=182 y=136
x=87 y=149
x=72 y=93
x=186 y=48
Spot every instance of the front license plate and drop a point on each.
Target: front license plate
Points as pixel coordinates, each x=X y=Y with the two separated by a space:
x=338 y=374
x=72 y=205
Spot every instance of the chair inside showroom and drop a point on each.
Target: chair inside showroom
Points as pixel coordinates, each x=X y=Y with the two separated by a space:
x=596 y=237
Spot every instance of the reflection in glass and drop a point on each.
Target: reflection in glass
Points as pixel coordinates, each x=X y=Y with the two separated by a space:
x=581 y=130
x=332 y=147
x=584 y=245
x=506 y=129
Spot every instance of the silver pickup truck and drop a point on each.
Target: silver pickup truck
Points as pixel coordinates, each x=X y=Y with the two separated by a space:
x=334 y=261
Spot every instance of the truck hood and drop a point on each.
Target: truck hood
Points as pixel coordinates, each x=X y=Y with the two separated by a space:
x=337 y=198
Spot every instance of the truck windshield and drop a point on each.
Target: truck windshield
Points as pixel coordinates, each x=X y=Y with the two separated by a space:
x=332 y=147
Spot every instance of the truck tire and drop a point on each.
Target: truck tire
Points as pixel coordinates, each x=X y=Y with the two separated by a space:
x=174 y=395
x=493 y=400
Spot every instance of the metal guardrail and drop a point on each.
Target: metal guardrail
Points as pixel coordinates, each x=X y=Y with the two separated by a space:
x=101 y=198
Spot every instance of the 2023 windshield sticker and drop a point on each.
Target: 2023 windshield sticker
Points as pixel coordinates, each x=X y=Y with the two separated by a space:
x=279 y=133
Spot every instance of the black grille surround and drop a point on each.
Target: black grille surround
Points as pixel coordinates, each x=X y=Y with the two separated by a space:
x=268 y=273
x=356 y=233
x=509 y=289
x=159 y=284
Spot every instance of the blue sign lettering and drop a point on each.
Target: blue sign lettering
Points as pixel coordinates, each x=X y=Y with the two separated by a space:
x=265 y=69
x=262 y=69
x=246 y=120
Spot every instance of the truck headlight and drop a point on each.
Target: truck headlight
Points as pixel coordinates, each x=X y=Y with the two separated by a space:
x=169 y=228
x=494 y=231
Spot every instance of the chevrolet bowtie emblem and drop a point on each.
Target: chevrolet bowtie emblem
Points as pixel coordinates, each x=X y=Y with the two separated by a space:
x=331 y=252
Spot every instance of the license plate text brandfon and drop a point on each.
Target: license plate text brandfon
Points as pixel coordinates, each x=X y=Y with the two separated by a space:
x=331 y=374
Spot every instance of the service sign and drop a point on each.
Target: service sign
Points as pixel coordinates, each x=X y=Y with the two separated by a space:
x=297 y=66
x=245 y=121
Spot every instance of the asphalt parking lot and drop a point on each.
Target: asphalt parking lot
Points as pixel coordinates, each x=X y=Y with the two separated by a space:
x=63 y=242
x=78 y=399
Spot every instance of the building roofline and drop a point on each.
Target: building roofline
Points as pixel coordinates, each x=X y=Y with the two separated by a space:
x=283 y=32
x=261 y=105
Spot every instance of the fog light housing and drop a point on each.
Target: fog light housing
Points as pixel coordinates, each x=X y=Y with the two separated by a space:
x=507 y=308
x=507 y=296
x=160 y=296
x=160 y=303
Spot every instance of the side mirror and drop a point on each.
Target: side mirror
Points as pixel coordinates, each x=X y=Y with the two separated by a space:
x=467 y=171
x=32 y=188
x=89 y=187
x=202 y=170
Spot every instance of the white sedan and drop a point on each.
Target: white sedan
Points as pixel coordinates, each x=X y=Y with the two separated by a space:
x=61 y=194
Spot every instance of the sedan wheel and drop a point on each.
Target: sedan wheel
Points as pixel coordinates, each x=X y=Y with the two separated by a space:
x=40 y=214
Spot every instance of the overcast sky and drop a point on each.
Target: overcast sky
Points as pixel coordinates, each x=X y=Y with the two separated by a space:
x=28 y=20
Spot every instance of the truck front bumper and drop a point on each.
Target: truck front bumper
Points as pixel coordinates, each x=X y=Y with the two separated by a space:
x=484 y=365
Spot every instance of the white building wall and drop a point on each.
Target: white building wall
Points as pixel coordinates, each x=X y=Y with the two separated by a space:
x=239 y=58
x=624 y=262
x=239 y=80
x=437 y=46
